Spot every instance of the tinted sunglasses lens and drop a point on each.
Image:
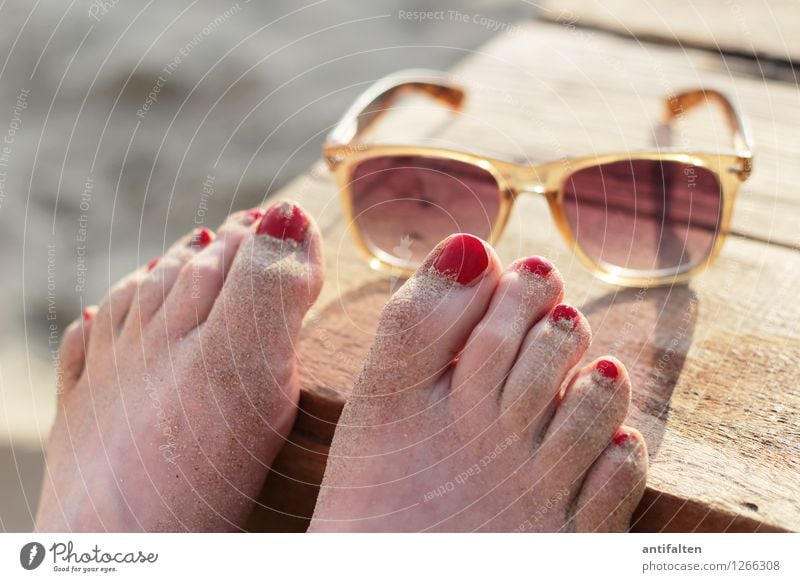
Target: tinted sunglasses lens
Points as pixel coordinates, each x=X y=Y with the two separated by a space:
x=405 y=205
x=644 y=214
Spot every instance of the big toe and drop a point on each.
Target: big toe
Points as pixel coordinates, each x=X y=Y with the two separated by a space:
x=275 y=277
x=427 y=323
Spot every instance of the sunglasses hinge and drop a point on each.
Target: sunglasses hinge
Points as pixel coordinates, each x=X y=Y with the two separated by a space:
x=747 y=169
x=334 y=161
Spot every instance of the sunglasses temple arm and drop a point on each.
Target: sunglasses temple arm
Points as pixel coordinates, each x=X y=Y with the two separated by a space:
x=681 y=103
x=378 y=99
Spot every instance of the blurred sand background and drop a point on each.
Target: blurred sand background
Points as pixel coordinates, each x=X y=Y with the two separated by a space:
x=96 y=177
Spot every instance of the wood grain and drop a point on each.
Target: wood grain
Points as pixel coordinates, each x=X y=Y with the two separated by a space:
x=763 y=28
x=715 y=364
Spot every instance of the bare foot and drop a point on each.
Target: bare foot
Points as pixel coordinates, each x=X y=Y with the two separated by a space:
x=491 y=440
x=177 y=392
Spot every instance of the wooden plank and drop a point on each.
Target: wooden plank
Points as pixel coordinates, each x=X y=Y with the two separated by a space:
x=715 y=364
x=764 y=28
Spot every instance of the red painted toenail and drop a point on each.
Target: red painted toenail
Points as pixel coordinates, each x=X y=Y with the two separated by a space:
x=254 y=215
x=87 y=315
x=608 y=369
x=536 y=265
x=621 y=437
x=284 y=220
x=565 y=313
x=202 y=236
x=152 y=264
x=463 y=258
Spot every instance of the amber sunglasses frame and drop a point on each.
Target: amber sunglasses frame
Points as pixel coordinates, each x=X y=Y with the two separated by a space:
x=343 y=151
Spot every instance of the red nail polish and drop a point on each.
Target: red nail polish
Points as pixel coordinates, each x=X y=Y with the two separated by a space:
x=254 y=215
x=87 y=315
x=202 y=236
x=607 y=369
x=565 y=315
x=536 y=265
x=462 y=258
x=152 y=264
x=621 y=437
x=284 y=220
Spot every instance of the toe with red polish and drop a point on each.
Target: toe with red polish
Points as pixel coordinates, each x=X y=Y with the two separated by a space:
x=202 y=237
x=536 y=265
x=253 y=215
x=607 y=369
x=285 y=221
x=622 y=436
x=565 y=316
x=462 y=258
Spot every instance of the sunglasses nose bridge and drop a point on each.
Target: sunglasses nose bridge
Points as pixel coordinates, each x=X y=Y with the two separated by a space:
x=531 y=188
x=526 y=180
x=528 y=183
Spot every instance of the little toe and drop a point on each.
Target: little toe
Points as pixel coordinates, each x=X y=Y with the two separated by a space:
x=526 y=292
x=109 y=320
x=428 y=321
x=550 y=350
x=72 y=355
x=593 y=407
x=613 y=486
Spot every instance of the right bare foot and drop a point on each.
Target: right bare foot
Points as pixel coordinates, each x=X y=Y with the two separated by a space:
x=178 y=391
x=487 y=441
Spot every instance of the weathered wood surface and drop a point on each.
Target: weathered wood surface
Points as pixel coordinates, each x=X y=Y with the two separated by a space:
x=715 y=364
x=762 y=28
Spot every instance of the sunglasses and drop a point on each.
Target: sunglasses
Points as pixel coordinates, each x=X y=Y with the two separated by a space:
x=643 y=218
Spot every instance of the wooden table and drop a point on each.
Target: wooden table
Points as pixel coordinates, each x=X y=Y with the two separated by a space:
x=715 y=364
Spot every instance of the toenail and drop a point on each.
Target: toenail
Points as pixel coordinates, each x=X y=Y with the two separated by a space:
x=463 y=258
x=253 y=215
x=621 y=437
x=565 y=316
x=202 y=236
x=87 y=315
x=536 y=265
x=152 y=264
x=607 y=369
x=284 y=220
